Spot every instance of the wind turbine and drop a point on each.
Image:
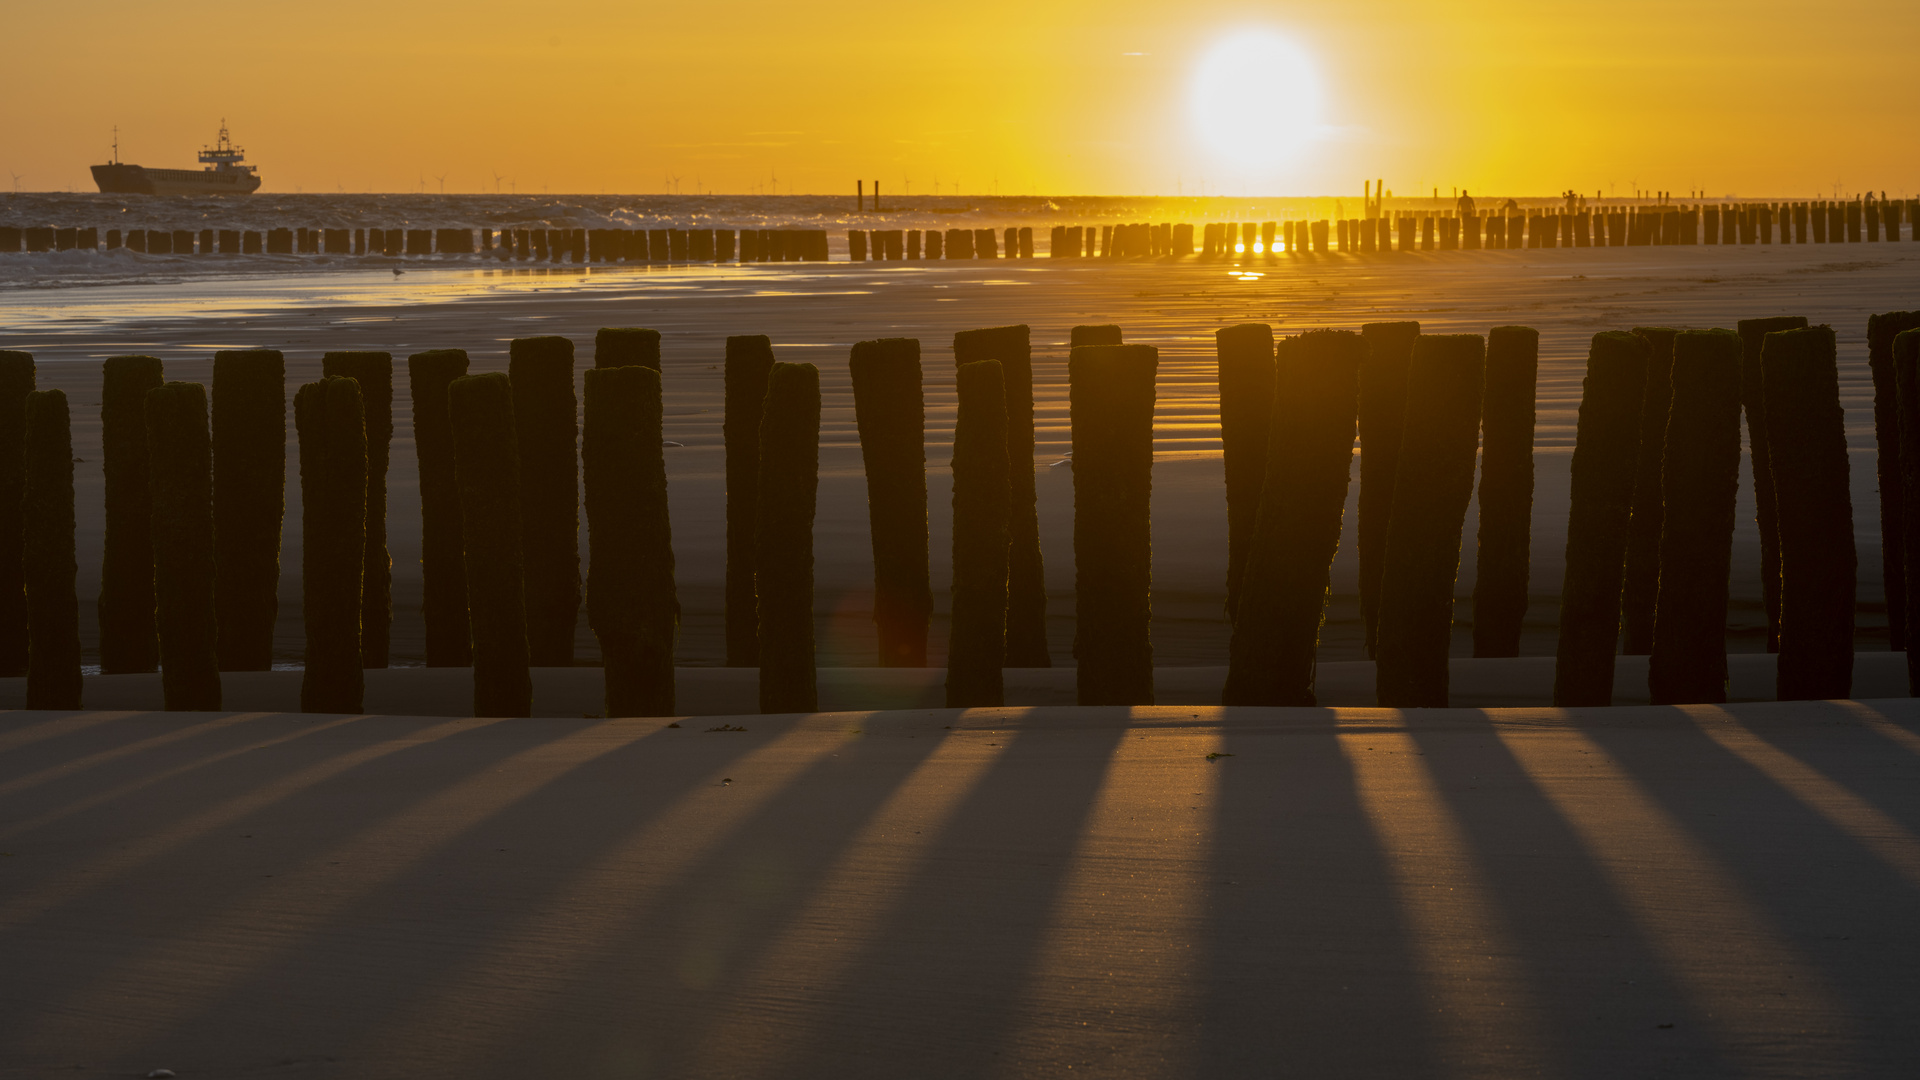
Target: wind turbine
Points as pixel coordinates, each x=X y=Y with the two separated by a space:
x=16 y=180
x=496 y=183
x=442 y=177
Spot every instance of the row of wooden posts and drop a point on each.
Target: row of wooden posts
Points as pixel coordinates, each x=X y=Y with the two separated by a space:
x=539 y=245
x=194 y=497
x=1736 y=223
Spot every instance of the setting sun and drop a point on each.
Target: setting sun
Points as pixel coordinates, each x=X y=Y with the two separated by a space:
x=1256 y=100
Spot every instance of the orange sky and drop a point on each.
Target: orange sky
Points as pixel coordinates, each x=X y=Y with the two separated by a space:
x=1764 y=98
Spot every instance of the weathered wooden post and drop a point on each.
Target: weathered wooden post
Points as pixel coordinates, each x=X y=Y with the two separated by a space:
x=329 y=419
x=1881 y=330
x=443 y=572
x=47 y=555
x=180 y=455
x=1433 y=483
x=1641 y=581
x=631 y=601
x=749 y=361
x=129 y=637
x=1383 y=414
x=982 y=509
x=541 y=370
x=1700 y=476
x=1276 y=629
x=249 y=500
x=626 y=346
x=373 y=371
x=890 y=412
x=1604 y=451
x=783 y=547
x=1504 y=549
x=487 y=467
x=1245 y=355
x=1026 y=635
x=1766 y=511
x=1111 y=396
x=1806 y=433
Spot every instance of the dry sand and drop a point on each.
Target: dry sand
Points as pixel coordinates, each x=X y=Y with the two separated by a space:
x=1124 y=893
x=815 y=312
x=723 y=691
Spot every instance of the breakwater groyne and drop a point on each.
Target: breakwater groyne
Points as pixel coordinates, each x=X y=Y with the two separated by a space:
x=1668 y=225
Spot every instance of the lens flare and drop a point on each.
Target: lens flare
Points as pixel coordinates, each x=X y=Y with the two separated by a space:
x=1256 y=99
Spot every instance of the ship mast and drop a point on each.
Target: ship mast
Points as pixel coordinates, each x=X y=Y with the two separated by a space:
x=116 y=144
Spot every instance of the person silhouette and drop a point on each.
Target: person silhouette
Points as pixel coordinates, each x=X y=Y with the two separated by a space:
x=1464 y=204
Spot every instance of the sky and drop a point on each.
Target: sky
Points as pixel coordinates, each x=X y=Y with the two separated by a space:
x=1115 y=97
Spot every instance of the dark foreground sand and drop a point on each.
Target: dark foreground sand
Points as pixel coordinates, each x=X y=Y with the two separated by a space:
x=814 y=312
x=1155 y=892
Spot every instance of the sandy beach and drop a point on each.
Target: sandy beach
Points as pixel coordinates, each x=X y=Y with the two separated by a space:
x=1154 y=892
x=814 y=312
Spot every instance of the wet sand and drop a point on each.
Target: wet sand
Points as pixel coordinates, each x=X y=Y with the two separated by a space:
x=815 y=312
x=1111 y=892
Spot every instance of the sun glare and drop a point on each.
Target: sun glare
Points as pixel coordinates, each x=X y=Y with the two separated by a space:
x=1256 y=99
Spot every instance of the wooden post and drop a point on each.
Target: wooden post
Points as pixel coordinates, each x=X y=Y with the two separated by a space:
x=47 y=555
x=129 y=637
x=180 y=453
x=1504 y=549
x=1383 y=415
x=1881 y=330
x=1276 y=630
x=373 y=371
x=487 y=466
x=1245 y=357
x=1026 y=570
x=1766 y=511
x=982 y=507
x=631 y=602
x=1806 y=433
x=783 y=545
x=1432 y=486
x=1111 y=396
x=1641 y=583
x=890 y=413
x=1604 y=451
x=1700 y=476
x=329 y=419
x=541 y=371
x=249 y=500
x=749 y=362
x=443 y=572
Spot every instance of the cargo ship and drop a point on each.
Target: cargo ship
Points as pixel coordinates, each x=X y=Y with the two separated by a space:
x=224 y=173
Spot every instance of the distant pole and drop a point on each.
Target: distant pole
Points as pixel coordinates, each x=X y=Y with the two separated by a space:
x=876 y=196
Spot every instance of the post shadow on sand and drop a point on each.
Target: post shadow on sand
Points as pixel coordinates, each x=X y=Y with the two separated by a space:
x=1831 y=926
x=1260 y=913
x=1531 y=897
x=1036 y=801
x=734 y=902
x=472 y=850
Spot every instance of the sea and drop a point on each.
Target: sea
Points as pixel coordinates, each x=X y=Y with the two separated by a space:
x=834 y=213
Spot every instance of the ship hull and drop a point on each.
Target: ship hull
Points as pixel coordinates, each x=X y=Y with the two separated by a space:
x=135 y=180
